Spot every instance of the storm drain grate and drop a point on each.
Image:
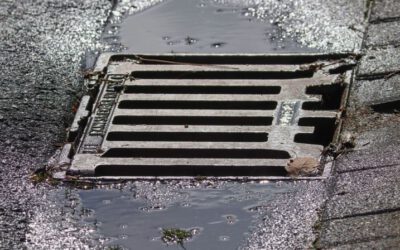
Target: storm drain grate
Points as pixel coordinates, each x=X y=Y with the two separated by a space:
x=206 y=115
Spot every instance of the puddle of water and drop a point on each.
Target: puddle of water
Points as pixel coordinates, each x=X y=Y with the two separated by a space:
x=134 y=217
x=224 y=213
x=199 y=27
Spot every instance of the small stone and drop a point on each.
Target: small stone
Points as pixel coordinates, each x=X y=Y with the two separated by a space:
x=348 y=140
x=217 y=45
x=190 y=40
x=116 y=13
x=302 y=166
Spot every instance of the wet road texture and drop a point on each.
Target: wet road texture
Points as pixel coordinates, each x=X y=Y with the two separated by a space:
x=46 y=45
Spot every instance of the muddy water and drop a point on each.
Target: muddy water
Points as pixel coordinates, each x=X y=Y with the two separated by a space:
x=201 y=27
x=219 y=214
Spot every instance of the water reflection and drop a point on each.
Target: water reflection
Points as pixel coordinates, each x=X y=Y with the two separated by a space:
x=134 y=216
x=200 y=26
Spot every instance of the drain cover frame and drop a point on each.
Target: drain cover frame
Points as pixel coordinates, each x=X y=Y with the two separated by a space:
x=174 y=116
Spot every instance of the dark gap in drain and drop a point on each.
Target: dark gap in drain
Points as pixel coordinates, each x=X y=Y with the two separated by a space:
x=187 y=170
x=331 y=97
x=236 y=105
x=196 y=153
x=254 y=90
x=388 y=107
x=221 y=74
x=323 y=133
x=187 y=136
x=193 y=120
x=231 y=59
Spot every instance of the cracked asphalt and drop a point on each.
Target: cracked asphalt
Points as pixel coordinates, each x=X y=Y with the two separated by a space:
x=45 y=46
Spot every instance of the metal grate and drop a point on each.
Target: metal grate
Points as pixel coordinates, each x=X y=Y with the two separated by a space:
x=207 y=115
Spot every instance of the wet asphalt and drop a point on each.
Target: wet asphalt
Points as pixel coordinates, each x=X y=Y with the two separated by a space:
x=44 y=48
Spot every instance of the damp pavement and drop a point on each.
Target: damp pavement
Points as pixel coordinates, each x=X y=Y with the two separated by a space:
x=45 y=48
